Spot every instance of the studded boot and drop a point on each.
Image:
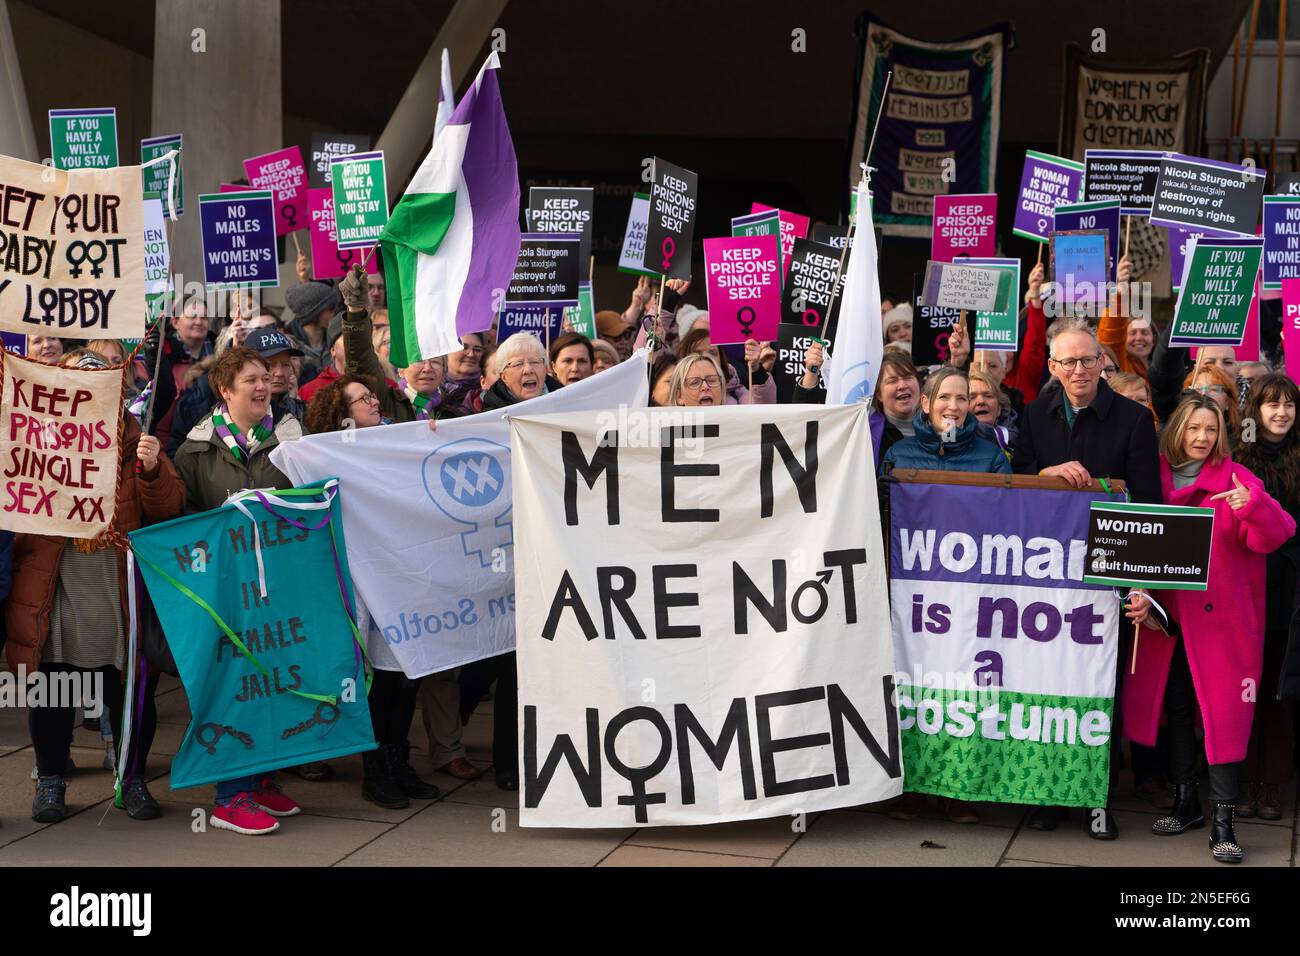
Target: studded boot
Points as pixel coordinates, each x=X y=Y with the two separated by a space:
x=1186 y=815
x=1223 y=841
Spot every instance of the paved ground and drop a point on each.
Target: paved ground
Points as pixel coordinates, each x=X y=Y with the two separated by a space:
x=475 y=825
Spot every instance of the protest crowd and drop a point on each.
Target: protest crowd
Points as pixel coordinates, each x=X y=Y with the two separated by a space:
x=1090 y=393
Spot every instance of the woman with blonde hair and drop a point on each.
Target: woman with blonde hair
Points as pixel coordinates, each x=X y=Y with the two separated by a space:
x=1213 y=381
x=1212 y=642
x=697 y=381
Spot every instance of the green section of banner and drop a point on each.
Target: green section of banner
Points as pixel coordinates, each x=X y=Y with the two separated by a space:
x=1053 y=750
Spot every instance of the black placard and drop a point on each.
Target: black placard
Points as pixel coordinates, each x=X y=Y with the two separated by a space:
x=327 y=145
x=1201 y=194
x=806 y=297
x=1127 y=175
x=674 y=198
x=1158 y=546
x=931 y=326
x=1287 y=184
x=556 y=209
x=791 y=344
x=546 y=272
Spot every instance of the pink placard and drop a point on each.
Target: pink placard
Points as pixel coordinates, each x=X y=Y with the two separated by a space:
x=1291 y=327
x=328 y=261
x=793 y=226
x=964 y=225
x=744 y=289
x=285 y=174
x=233 y=188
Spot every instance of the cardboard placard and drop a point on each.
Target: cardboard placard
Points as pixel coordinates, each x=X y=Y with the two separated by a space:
x=155 y=177
x=1281 y=240
x=239 y=247
x=743 y=279
x=556 y=209
x=547 y=270
x=1094 y=215
x=1205 y=193
x=1077 y=265
x=58 y=440
x=1046 y=182
x=964 y=225
x=674 y=195
x=1126 y=175
x=965 y=287
x=284 y=174
x=1149 y=546
x=360 y=198
x=84 y=139
x=326 y=146
x=72 y=256
x=997 y=329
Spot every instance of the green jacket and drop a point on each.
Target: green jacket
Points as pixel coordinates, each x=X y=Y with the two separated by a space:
x=362 y=361
x=212 y=474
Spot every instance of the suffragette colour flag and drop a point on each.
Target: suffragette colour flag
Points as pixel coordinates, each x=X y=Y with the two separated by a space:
x=454 y=236
x=859 y=337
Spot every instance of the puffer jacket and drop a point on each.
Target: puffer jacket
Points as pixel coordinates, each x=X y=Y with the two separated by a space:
x=36 y=557
x=211 y=473
x=926 y=449
x=362 y=361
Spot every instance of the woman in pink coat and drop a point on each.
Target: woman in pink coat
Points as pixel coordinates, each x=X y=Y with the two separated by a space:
x=1216 y=660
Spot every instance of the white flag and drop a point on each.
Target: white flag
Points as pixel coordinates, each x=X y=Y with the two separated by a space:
x=446 y=96
x=859 y=336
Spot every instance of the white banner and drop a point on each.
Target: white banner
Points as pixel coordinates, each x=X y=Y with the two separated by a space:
x=427 y=517
x=703 y=616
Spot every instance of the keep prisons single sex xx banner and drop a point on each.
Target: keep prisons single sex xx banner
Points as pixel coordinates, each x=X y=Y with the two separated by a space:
x=1006 y=659
x=703 y=633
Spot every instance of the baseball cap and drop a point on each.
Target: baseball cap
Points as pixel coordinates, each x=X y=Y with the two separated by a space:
x=267 y=341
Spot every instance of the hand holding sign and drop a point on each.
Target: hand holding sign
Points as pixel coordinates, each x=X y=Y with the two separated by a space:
x=146 y=452
x=1138 y=607
x=1237 y=497
x=1035 y=283
x=958 y=346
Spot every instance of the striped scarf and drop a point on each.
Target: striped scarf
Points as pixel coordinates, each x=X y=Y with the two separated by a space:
x=421 y=403
x=240 y=445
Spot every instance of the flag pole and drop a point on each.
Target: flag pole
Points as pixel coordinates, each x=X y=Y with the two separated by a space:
x=853 y=219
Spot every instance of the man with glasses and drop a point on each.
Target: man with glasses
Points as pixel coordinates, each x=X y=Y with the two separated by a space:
x=1080 y=432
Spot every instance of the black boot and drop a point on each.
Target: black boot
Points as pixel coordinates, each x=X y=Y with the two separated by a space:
x=404 y=775
x=377 y=783
x=1223 y=841
x=1101 y=823
x=1186 y=815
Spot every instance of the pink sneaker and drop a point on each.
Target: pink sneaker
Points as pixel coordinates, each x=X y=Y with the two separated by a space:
x=244 y=816
x=275 y=801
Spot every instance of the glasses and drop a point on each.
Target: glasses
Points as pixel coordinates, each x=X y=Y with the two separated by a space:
x=369 y=398
x=1210 y=389
x=472 y=349
x=427 y=363
x=1089 y=362
x=712 y=381
x=524 y=363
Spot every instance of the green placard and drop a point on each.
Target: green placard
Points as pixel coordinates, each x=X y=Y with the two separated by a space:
x=81 y=139
x=582 y=317
x=765 y=223
x=360 y=199
x=155 y=177
x=998 y=331
x=1214 y=301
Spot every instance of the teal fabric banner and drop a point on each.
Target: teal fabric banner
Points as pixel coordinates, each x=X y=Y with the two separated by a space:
x=256 y=602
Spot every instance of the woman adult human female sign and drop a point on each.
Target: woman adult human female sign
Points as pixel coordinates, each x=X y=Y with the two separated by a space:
x=1217 y=654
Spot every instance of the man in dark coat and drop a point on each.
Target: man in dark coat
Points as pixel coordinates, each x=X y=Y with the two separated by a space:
x=1079 y=432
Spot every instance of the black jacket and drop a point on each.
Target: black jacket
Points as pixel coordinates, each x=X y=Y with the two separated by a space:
x=1112 y=438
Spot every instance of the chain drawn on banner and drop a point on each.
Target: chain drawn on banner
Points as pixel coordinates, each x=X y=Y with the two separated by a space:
x=215 y=732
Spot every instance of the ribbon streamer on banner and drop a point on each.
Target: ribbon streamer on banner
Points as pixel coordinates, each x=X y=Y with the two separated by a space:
x=329 y=489
x=170 y=157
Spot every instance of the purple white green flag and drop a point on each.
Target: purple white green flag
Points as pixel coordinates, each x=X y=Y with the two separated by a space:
x=453 y=238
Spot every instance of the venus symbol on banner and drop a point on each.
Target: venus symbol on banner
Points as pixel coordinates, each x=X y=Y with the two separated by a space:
x=465 y=479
